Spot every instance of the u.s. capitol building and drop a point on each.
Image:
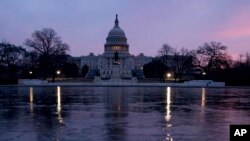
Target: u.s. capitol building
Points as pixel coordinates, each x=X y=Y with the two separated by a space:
x=116 y=61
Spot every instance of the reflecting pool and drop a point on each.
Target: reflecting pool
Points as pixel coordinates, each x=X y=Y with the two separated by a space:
x=121 y=113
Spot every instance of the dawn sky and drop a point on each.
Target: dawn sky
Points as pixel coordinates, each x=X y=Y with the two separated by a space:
x=84 y=24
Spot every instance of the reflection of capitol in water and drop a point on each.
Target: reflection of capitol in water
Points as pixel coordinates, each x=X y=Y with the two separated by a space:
x=116 y=101
x=116 y=104
x=118 y=111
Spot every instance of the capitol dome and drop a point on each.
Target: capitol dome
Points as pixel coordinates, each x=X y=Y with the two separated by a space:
x=116 y=40
x=116 y=31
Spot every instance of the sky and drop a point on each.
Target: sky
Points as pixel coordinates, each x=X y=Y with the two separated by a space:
x=148 y=24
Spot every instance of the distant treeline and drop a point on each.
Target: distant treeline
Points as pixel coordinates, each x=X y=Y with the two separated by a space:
x=210 y=61
x=45 y=56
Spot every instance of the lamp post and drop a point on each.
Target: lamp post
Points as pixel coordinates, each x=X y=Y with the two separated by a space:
x=169 y=75
x=58 y=72
x=30 y=74
x=204 y=74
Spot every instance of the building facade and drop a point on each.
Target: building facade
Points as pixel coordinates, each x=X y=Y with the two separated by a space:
x=116 y=61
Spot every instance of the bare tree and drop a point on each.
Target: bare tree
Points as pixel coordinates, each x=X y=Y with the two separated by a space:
x=11 y=56
x=182 y=63
x=48 y=45
x=31 y=63
x=211 y=56
x=165 y=53
x=47 y=42
x=247 y=59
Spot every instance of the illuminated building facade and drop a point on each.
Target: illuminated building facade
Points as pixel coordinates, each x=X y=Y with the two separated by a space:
x=116 y=61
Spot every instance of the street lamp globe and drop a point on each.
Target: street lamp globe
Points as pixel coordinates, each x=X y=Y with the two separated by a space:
x=58 y=72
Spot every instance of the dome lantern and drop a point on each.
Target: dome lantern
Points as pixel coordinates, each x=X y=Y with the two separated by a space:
x=116 y=21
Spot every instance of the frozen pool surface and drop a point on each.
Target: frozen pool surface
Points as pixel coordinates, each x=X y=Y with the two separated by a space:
x=121 y=113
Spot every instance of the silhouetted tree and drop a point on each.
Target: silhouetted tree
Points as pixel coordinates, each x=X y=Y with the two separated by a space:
x=70 y=69
x=165 y=52
x=247 y=60
x=48 y=45
x=211 y=57
x=154 y=69
x=182 y=63
x=30 y=64
x=57 y=63
x=239 y=73
x=11 y=56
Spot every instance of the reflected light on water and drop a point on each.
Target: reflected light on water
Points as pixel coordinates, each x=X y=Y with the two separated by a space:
x=168 y=102
x=203 y=98
x=168 y=111
x=31 y=99
x=169 y=138
x=59 y=106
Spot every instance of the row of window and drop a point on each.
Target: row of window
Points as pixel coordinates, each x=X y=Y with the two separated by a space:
x=117 y=48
